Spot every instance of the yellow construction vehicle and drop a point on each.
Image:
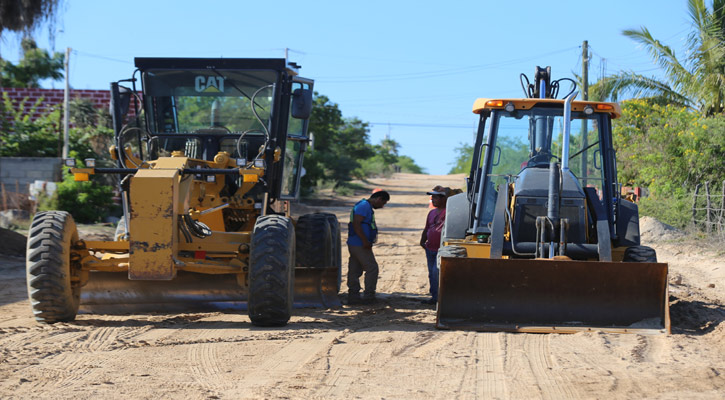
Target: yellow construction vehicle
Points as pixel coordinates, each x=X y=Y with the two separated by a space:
x=207 y=164
x=542 y=241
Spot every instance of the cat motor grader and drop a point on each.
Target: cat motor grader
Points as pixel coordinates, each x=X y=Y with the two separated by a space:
x=542 y=241
x=207 y=165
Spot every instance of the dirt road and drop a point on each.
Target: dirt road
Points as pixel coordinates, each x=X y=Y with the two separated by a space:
x=389 y=350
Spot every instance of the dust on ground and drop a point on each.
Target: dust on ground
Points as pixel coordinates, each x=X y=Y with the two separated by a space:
x=387 y=350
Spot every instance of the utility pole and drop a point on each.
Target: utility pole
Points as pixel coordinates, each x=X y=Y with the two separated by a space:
x=585 y=97
x=66 y=106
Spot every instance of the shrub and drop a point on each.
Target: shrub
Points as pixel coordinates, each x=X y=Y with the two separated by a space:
x=672 y=210
x=88 y=201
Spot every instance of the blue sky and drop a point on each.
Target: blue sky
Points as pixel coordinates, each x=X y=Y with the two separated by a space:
x=411 y=68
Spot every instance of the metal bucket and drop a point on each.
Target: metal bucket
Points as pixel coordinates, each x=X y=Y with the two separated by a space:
x=548 y=296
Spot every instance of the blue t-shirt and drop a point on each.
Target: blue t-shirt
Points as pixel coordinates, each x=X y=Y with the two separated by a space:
x=364 y=209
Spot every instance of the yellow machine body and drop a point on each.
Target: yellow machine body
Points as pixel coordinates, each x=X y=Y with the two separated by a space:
x=541 y=241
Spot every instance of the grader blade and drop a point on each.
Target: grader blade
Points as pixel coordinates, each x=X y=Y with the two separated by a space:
x=547 y=296
x=114 y=293
x=316 y=287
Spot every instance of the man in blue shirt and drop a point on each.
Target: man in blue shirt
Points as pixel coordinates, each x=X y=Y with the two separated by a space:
x=362 y=233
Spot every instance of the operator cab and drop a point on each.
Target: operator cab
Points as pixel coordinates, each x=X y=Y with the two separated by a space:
x=517 y=141
x=250 y=109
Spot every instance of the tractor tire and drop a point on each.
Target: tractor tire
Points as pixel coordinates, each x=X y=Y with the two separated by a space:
x=640 y=254
x=314 y=241
x=450 y=251
x=271 y=271
x=336 y=247
x=50 y=269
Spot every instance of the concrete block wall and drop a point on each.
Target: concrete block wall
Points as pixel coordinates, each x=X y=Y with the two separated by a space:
x=21 y=171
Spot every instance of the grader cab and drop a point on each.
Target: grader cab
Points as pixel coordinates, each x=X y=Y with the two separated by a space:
x=207 y=165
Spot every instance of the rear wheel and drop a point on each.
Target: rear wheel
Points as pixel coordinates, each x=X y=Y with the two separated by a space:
x=314 y=243
x=336 y=247
x=53 y=276
x=640 y=254
x=271 y=271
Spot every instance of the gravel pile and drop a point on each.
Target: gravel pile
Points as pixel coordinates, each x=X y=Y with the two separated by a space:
x=652 y=230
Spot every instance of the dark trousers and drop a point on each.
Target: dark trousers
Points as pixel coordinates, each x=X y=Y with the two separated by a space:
x=361 y=260
x=431 y=258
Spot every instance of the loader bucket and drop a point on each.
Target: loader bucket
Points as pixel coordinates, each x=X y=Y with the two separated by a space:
x=552 y=296
x=114 y=293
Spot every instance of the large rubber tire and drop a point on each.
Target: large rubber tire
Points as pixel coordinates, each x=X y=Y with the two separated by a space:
x=336 y=247
x=271 y=271
x=640 y=254
x=53 y=277
x=314 y=243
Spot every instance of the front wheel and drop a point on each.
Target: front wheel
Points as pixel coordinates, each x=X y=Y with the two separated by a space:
x=640 y=254
x=53 y=277
x=271 y=271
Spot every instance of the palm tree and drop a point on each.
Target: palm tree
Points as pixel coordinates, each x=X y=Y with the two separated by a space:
x=25 y=15
x=698 y=82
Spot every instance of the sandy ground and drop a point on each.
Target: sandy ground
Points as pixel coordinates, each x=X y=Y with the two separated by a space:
x=388 y=350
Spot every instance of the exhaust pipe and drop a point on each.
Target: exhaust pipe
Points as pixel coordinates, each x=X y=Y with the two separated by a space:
x=567 y=132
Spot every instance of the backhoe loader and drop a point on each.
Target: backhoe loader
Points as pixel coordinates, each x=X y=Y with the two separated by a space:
x=207 y=164
x=542 y=240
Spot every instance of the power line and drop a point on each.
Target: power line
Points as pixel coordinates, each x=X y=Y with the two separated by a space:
x=435 y=73
x=83 y=53
x=450 y=126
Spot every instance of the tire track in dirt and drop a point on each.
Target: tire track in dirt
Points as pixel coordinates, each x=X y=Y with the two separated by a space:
x=60 y=356
x=340 y=378
x=288 y=360
x=533 y=370
x=491 y=351
x=204 y=364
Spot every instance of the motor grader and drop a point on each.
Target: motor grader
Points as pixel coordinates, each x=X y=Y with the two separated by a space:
x=542 y=240
x=207 y=164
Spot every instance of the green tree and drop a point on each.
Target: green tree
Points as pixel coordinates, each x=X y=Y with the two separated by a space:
x=386 y=160
x=342 y=150
x=697 y=81
x=35 y=65
x=463 y=160
x=408 y=165
x=669 y=150
x=338 y=145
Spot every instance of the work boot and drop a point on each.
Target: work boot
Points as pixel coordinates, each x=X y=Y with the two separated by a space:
x=354 y=298
x=429 y=302
x=369 y=298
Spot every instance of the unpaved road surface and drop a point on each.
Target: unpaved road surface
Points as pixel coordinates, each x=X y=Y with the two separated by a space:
x=388 y=350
